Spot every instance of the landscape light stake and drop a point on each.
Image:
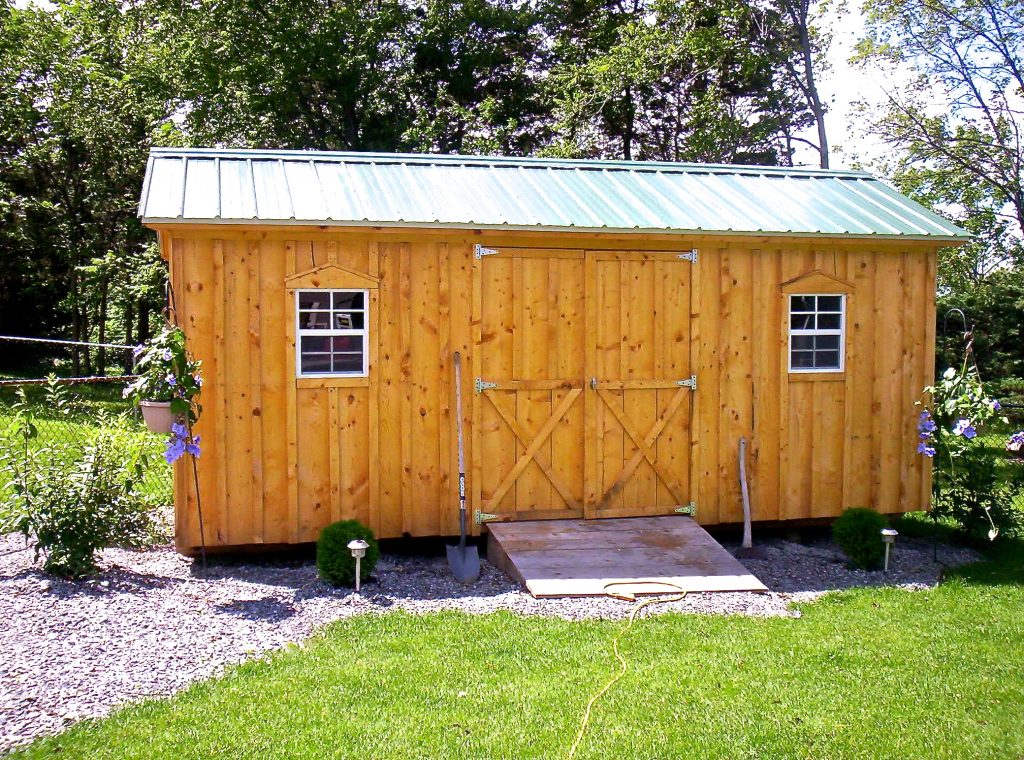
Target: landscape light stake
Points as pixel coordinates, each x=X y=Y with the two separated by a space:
x=889 y=538
x=358 y=548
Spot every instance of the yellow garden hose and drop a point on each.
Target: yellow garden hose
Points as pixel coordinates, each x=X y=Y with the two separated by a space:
x=623 y=665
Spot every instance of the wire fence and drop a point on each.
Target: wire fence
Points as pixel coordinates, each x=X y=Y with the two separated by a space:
x=69 y=412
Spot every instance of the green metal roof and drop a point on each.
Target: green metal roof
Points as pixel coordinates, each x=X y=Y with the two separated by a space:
x=474 y=192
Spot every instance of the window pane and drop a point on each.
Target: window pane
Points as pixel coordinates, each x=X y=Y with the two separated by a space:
x=801 y=321
x=830 y=303
x=315 y=363
x=803 y=342
x=314 y=320
x=312 y=344
x=344 y=300
x=826 y=360
x=803 y=359
x=346 y=343
x=312 y=299
x=828 y=321
x=349 y=320
x=801 y=303
x=348 y=362
x=828 y=342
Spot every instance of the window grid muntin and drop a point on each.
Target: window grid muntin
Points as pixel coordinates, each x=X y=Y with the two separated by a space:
x=800 y=306
x=330 y=333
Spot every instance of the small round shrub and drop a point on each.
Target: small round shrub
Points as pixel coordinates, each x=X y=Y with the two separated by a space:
x=334 y=559
x=858 y=531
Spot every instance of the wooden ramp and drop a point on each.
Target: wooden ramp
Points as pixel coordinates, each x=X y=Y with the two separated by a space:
x=582 y=557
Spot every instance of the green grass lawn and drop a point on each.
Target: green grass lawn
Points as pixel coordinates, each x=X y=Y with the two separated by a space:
x=867 y=673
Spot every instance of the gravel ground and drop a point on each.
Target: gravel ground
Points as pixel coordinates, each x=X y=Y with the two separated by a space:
x=149 y=624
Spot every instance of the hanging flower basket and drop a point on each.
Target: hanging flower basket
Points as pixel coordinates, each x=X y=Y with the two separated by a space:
x=157 y=415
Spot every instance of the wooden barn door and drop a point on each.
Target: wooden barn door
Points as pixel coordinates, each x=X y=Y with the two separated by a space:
x=639 y=376
x=528 y=379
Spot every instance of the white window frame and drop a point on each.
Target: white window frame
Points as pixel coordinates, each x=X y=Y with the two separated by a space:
x=364 y=333
x=841 y=332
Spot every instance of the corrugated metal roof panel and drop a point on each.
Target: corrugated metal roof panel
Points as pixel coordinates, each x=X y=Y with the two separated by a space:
x=305 y=187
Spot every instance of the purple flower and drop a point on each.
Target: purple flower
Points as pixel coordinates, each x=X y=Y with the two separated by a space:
x=167 y=355
x=996 y=406
x=923 y=448
x=179 y=430
x=138 y=350
x=175 y=450
x=965 y=428
x=925 y=415
x=199 y=379
x=193 y=449
x=171 y=381
x=1017 y=439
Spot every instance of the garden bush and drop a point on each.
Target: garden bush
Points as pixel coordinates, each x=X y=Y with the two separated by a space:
x=334 y=559
x=70 y=501
x=858 y=531
x=980 y=497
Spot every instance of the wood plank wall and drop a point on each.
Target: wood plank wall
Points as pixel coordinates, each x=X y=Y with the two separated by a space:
x=281 y=458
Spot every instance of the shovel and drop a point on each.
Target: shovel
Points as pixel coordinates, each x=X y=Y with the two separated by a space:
x=463 y=560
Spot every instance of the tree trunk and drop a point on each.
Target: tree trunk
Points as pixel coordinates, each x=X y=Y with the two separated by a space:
x=101 y=355
x=129 y=315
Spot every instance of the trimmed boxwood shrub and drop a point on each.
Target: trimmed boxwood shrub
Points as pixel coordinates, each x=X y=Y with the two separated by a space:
x=858 y=531
x=334 y=560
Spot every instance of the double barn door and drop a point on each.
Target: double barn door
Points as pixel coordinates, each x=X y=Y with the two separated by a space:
x=582 y=377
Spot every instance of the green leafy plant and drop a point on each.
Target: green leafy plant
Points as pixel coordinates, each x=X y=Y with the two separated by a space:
x=69 y=501
x=334 y=559
x=858 y=531
x=168 y=372
x=956 y=413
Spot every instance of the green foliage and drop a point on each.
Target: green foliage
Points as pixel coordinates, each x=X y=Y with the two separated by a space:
x=334 y=559
x=967 y=482
x=168 y=372
x=994 y=308
x=69 y=502
x=82 y=96
x=952 y=121
x=858 y=531
x=978 y=497
x=675 y=80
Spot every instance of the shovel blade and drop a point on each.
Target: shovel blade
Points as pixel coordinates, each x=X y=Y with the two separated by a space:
x=464 y=562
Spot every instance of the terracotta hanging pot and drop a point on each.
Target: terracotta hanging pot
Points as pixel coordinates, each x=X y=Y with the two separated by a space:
x=157 y=415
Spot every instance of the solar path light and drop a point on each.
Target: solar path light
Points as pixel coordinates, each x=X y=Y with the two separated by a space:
x=889 y=538
x=358 y=548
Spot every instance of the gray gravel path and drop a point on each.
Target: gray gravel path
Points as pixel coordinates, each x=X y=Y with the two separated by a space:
x=149 y=625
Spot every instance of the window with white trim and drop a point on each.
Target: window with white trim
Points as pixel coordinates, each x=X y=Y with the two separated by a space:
x=331 y=333
x=816 y=327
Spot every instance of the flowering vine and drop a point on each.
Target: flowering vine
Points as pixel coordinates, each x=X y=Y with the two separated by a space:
x=168 y=372
x=955 y=409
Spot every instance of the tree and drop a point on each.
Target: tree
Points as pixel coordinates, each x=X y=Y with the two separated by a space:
x=82 y=101
x=675 y=80
x=954 y=121
x=810 y=44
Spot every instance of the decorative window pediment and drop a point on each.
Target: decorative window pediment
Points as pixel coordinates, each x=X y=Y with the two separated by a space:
x=817 y=281
x=331 y=276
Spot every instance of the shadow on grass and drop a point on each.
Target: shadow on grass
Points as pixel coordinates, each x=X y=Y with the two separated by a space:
x=1003 y=566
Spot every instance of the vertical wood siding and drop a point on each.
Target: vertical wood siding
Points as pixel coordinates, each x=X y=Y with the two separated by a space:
x=284 y=457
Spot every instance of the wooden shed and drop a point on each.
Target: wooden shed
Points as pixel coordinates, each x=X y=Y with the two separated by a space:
x=623 y=325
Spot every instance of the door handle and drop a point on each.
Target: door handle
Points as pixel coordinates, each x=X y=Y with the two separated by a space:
x=593 y=383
